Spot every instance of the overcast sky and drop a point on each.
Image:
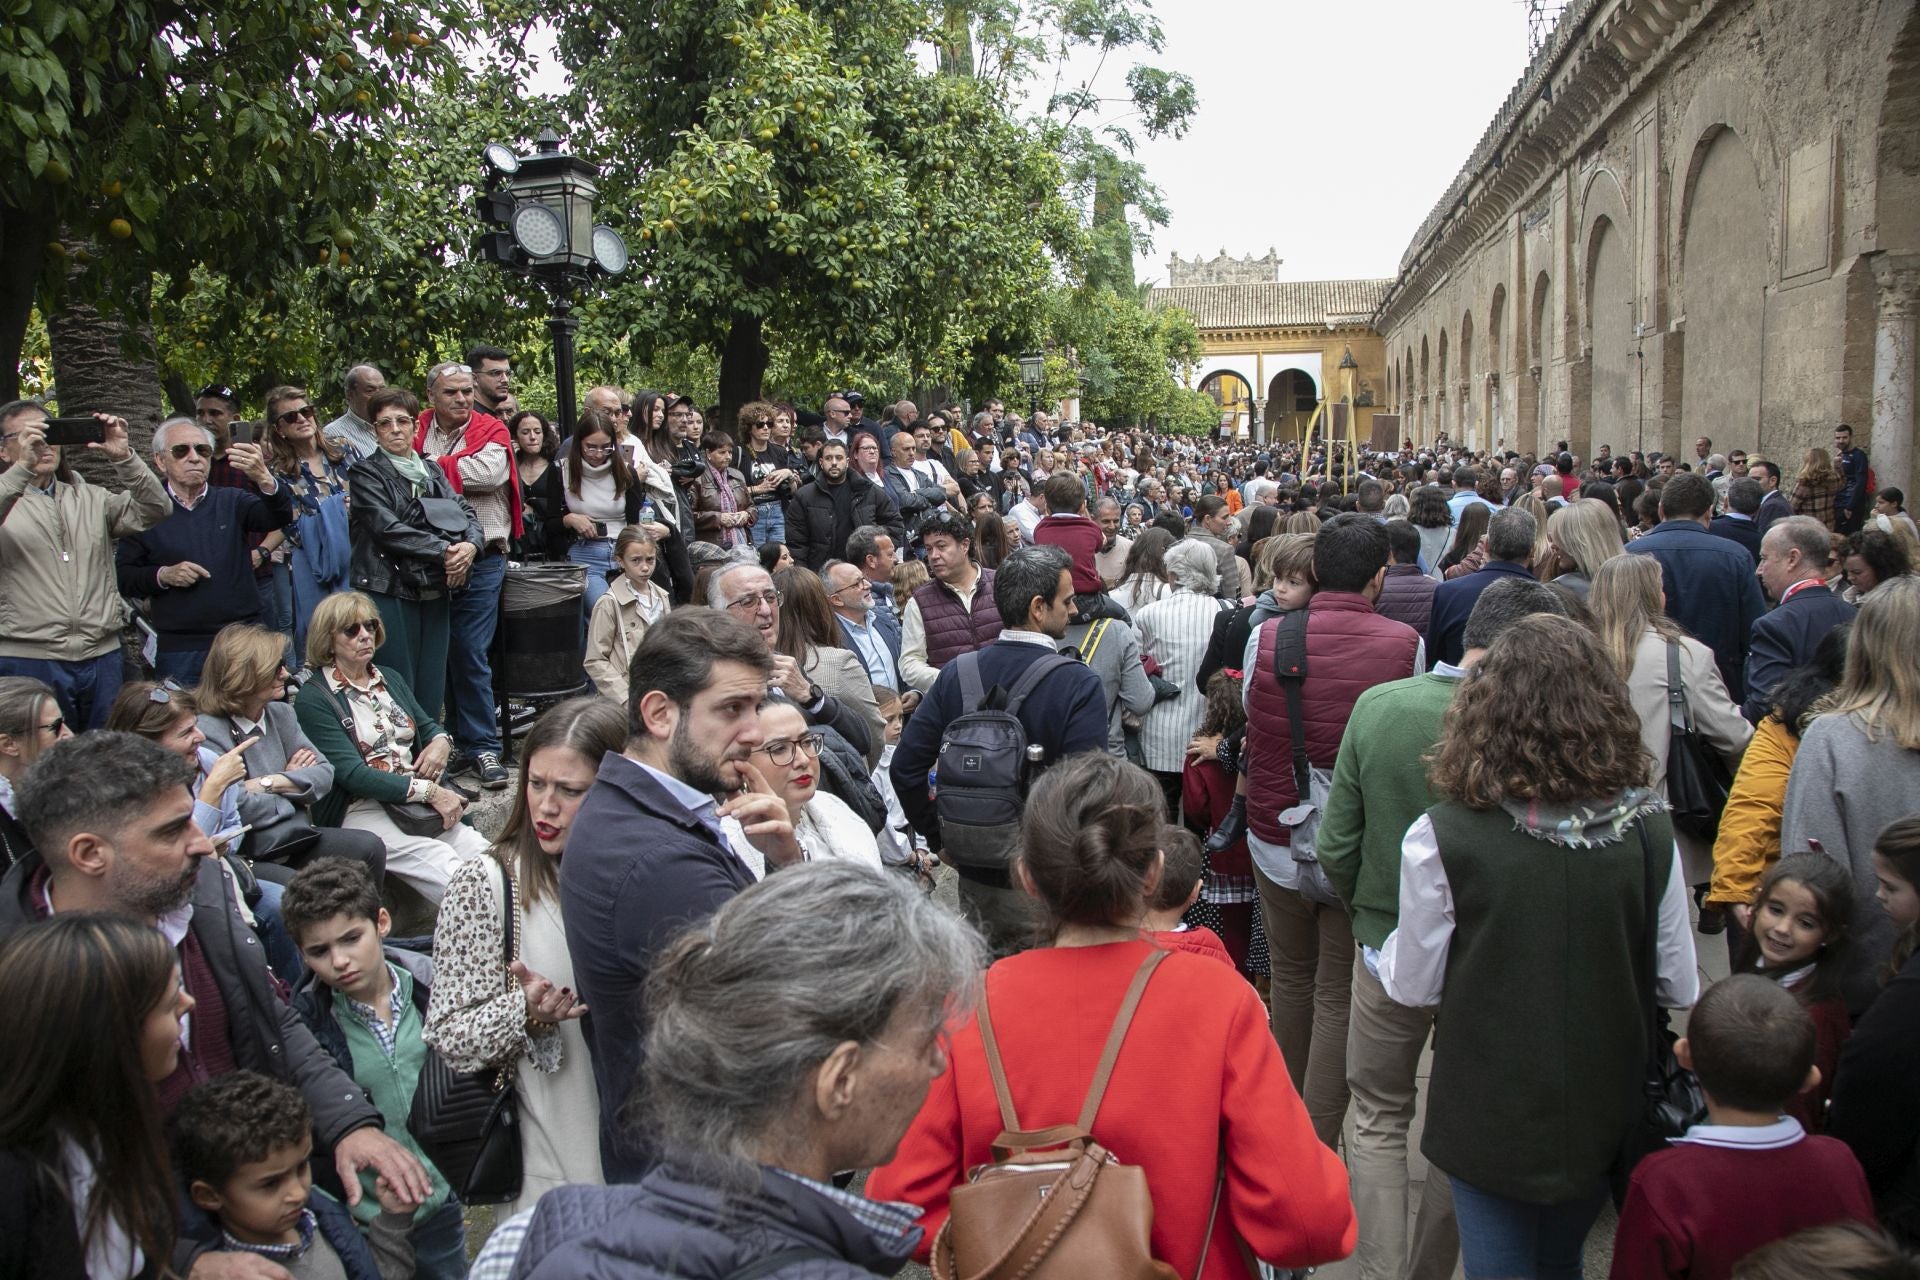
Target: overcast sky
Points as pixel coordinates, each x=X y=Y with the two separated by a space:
x=1326 y=131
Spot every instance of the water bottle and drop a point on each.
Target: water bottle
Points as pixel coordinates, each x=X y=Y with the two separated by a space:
x=646 y=510
x=1036 y=761
x=933 y=782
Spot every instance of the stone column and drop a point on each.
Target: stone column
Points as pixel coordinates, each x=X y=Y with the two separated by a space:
x=1897 y=307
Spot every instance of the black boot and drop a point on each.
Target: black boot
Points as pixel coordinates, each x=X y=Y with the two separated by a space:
x=1232 y=828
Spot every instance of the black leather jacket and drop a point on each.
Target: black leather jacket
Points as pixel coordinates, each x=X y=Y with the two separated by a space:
x=396 y=552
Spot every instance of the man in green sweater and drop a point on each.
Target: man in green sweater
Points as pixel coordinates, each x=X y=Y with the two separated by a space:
x=1379 y=787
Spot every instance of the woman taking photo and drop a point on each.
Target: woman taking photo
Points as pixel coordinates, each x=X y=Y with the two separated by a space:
x=811 y=636
x=519 y=1013
x=86 y=1190
x=385 y=749
x=1522 y=916
x=30 y=722
x=1629 y=614
x=414 y=541
x=534 y=445
x=1581 y=537
x=311 y=556
x=599 y=498
x=1858 y=767
x=241 y=698
x=1197 y=1069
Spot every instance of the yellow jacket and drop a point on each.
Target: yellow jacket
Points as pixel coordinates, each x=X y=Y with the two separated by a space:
x=1749 y=839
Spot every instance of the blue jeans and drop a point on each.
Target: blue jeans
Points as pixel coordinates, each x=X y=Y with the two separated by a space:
x=1502 y=1239
x=182 y=666
x=597 y=555
x=769 y=523
x=440 y=1244
x=85 y=690
x=276 y=608
x=476 y=615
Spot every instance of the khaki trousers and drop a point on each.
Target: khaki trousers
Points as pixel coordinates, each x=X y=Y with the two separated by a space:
x=1311 y=948
x=1384 y=1041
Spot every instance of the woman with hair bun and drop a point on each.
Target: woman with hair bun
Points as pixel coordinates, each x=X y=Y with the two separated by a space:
x=1197 y=1068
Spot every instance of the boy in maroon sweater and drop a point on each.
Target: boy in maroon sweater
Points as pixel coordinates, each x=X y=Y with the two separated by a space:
x=1750 y=1175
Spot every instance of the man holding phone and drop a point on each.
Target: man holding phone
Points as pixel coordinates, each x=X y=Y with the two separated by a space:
x=195 y=565
x=59 y=606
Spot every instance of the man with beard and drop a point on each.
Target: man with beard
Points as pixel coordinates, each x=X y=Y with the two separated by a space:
x=648 y=855
x=111 y=818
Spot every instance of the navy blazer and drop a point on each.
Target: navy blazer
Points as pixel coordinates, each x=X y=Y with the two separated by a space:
x=1772 y=507
x=1711 y=591
x=1454 y=599
x=640 y=867
x=1787 y=638
x=1745 y=532
x=884 y=625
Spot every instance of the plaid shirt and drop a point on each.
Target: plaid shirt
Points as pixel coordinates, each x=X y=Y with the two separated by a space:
x=385 y=1032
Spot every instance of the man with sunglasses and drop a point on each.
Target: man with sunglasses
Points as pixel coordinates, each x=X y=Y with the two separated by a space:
x=195 y=565
x=60 y=606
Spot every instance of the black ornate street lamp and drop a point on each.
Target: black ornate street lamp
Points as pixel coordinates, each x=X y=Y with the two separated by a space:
x=541 y=209
x=1033 y=376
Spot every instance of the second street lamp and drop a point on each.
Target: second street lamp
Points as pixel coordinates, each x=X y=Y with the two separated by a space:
x=1033 y=375
x=541 y=209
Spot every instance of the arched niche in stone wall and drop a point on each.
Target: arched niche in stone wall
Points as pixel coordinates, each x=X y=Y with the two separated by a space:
x=1496 y=378
x=1719 y=103
x=1725 y=264
x=1466 y=394
x=1534 y=395
x=1895 y=104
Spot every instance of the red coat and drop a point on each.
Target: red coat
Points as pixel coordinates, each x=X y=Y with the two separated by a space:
x=1199 y=1064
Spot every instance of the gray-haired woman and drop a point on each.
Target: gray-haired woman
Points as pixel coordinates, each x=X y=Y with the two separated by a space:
x=1174 y=632
x=794 y=1034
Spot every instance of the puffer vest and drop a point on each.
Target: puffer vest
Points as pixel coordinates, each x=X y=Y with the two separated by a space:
x=951 y=630
x=1350 y=649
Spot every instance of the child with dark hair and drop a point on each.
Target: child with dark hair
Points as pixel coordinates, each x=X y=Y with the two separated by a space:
x=242 y=1143
x=1750 y=1175
x=1800 y=936
x=1181 y=865
x=1876 y=1109
x=366 y=1003
x=1229 y=898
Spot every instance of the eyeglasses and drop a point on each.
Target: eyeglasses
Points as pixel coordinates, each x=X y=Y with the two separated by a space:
x=748 y=603
x=445 y=370
x=59 y=723
x=163 y=692
x=598 y=450
x=625 y=408
x=354 y=630
x=180 y=451
x=294 y=415
x=858 y=584
x=781 y=751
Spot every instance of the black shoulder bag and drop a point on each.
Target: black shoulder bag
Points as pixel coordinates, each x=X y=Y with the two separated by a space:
x=1671 y=1100
x=1697 y=778
x=413 y=817
x=468 y=1122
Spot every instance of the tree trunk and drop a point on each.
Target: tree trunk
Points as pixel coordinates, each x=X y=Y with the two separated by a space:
x=104 y=363
x=24 y=233
x=743 y=367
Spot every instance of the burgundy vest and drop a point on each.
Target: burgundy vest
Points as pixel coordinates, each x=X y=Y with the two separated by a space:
x=1350 y=649
x=951 y=630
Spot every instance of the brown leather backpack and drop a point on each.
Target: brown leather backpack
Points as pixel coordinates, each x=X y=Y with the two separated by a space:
x=1055 y=1204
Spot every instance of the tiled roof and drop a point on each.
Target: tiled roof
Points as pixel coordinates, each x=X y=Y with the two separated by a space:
x=1267 y=306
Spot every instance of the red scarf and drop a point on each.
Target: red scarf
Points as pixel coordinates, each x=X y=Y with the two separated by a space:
x=482 y=429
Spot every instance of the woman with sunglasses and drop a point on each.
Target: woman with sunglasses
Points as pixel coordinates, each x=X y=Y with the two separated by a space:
x=30 y=722
x=789 y=756
x=317 y=553
x=384 y=745
x=414 y=540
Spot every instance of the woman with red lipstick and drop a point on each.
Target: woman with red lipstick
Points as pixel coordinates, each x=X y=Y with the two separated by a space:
x=522 y=1013
x=789 y=756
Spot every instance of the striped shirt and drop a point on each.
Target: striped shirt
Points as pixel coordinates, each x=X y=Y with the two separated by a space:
x=1174 y=632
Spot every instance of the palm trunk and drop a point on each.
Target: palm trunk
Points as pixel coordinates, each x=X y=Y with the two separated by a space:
x=103 y=362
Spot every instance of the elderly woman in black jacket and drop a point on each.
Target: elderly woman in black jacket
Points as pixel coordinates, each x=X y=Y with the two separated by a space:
x=414 y=539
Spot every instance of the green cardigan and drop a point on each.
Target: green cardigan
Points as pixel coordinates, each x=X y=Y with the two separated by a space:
x=1379 y=788
x=319 y=714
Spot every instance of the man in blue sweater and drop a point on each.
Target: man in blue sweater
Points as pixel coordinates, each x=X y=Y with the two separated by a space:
x=1710 y=584
x=195 y=565
x=1066 y=712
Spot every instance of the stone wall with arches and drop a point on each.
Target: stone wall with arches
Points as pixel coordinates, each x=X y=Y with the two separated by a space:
x=1690 y=218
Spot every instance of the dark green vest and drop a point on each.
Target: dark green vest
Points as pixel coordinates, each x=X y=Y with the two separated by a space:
x=1539 y=1044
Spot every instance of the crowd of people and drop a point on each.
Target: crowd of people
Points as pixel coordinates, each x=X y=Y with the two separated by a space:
x=1255 y=771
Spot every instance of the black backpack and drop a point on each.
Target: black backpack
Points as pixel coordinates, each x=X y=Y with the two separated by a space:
x=981 y=778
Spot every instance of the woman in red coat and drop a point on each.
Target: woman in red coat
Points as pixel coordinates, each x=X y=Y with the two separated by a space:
x=1197 y=1074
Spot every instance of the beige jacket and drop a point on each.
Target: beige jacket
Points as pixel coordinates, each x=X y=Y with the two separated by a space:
x=59 y=596
x=620 y=618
